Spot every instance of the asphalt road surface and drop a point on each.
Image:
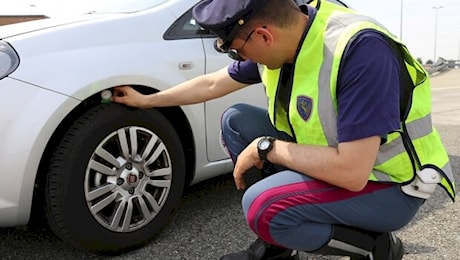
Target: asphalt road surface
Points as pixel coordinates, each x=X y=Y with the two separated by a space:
x=209 y=221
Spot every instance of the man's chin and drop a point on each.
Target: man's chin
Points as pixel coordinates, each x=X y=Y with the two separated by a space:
x=272 y=67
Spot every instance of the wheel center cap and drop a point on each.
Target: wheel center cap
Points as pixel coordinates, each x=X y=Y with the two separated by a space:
x=130 y=177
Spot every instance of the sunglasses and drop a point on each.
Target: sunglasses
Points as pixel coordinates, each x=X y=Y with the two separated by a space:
x=235 y=53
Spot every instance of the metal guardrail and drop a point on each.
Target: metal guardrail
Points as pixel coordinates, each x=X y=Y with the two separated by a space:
x=438 y=67
x=443 y=65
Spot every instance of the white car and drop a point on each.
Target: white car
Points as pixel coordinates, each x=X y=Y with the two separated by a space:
x=106 y=176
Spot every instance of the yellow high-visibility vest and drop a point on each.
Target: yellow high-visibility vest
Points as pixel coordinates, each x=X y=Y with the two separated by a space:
x=313 y=96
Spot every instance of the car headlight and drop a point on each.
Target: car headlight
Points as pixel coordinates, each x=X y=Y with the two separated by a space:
x=9 y=59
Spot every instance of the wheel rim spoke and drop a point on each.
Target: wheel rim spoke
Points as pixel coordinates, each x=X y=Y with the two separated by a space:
x=160 y=172
x=128 y=215
x=133 y=139
x=159 y=150
x=148 y=214
x=160 y=183
x=108 y=157
x=99 y=192
x=101 y=168
x=123 y=143
x=118 y=215
x=149 y=147
x=103 y=203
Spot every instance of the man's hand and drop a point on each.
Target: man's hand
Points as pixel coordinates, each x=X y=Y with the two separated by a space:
x=248 y=158
x=128 y=96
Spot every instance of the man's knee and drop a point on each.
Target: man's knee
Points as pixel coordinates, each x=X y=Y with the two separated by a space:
x=234 y=114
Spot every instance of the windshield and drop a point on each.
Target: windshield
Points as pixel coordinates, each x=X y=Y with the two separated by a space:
x=60 y=8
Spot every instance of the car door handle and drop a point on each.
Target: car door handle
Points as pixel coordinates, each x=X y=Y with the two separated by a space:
x=185 y=66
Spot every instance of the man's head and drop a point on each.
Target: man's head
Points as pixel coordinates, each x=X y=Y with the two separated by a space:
x=226 y=17
x=238 y=22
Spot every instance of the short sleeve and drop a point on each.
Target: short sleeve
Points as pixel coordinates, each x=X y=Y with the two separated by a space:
x=368 y=89
x=244 y=72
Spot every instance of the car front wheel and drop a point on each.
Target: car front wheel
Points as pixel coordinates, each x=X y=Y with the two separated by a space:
x=114 y=178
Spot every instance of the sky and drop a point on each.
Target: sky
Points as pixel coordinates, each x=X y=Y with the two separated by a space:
x=418 y=24
x=419 y=18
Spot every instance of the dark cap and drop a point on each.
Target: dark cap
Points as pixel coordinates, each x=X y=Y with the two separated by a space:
x=225 y=17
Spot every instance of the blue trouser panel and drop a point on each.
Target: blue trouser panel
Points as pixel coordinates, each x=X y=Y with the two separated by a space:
x=295 y=211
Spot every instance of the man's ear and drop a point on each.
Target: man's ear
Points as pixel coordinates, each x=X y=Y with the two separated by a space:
x=265 y=33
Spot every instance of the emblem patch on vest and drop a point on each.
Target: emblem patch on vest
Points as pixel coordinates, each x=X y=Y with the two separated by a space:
x=304 y=107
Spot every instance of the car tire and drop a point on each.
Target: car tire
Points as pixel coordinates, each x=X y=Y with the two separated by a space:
x=114 y=179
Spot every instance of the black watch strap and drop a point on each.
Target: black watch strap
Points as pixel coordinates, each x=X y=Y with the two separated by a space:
x=264 y=146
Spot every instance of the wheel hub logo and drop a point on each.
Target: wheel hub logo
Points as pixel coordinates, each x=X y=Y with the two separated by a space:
x=131 y=178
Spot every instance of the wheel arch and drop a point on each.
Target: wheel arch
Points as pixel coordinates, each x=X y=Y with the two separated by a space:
x=180 y=123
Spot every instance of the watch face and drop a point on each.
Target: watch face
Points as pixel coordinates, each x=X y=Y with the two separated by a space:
x=264 y=144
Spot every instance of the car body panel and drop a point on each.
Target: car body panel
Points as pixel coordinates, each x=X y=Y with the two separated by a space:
x=16 y=29
x=27 y=136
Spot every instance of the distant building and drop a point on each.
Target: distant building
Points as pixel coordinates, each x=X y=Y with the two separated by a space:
x=9 y=19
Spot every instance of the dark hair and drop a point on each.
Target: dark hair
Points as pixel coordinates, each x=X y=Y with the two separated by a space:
x=276 y=12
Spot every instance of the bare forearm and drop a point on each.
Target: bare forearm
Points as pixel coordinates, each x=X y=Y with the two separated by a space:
x=182 y=94
x=343 y=166
x=197 y=90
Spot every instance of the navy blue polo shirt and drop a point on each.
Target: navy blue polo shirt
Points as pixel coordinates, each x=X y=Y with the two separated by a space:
x=367 y=90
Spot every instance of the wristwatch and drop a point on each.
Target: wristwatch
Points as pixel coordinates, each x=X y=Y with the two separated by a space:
x=264 y=146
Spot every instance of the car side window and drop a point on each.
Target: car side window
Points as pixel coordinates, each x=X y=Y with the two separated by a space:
x=186 y=28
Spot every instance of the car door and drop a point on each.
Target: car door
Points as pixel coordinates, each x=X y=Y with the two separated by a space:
x=214 y=60
x=253 y=94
